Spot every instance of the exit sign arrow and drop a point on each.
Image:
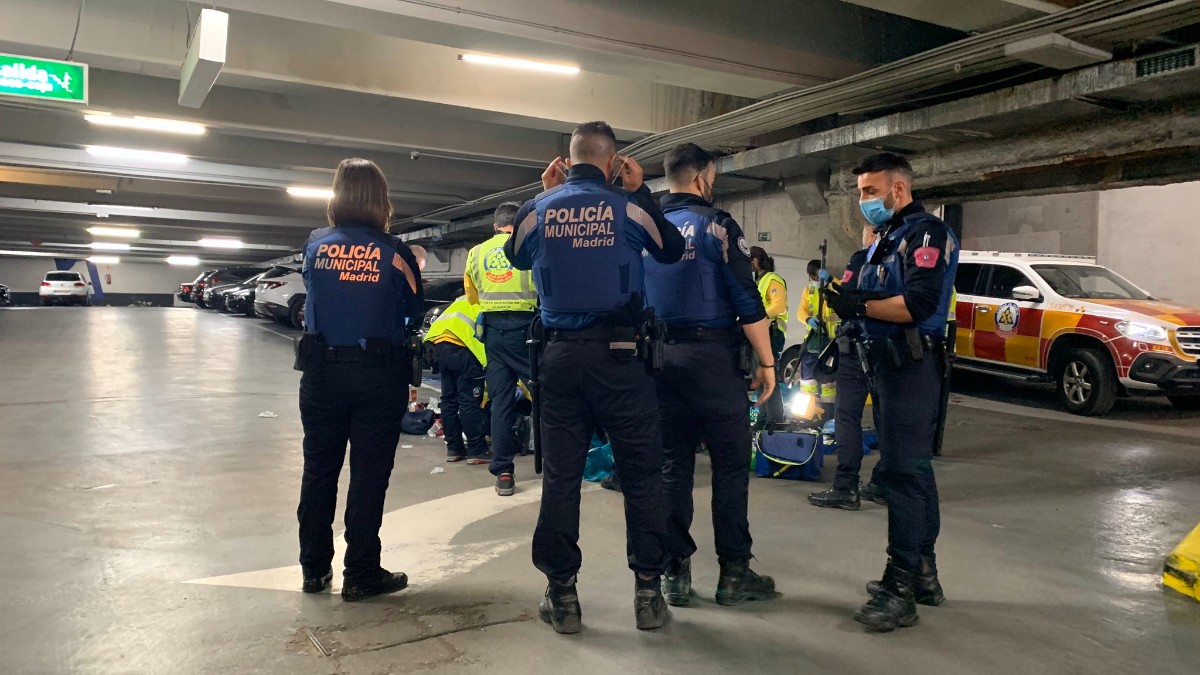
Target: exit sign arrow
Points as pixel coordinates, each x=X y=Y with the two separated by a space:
x=43 y=78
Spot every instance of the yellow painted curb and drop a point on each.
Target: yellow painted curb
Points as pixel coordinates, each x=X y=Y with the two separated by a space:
x=1181 y=572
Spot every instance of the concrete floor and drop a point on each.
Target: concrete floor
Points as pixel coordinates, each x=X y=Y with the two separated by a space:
x=134 y=464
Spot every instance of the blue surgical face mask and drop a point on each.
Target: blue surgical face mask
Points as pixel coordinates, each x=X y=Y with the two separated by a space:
x=876 y=212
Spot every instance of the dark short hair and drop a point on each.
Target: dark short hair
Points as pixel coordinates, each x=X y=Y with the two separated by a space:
x=505 y=214
x=814 y=266
x=592 y=139
x=885 y=161
x=360 y=194
x=764 y=261
x=684 y=159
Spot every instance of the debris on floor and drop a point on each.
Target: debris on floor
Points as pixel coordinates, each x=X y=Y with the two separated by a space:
x=436 y=470
x=268 y=413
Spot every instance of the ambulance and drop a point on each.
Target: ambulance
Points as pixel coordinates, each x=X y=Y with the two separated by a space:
x=1068 y=321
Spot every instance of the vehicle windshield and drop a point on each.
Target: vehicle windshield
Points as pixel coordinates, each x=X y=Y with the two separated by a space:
x=1090 y=282
x=62 y=276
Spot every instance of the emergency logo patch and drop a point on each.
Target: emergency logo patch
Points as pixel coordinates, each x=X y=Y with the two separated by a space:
x=926 y=257
x=847 y=277
x=743 y=246
x=1008 y=316
x=496 y=266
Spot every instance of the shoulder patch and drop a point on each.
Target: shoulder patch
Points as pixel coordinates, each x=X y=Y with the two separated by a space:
x=743 y=246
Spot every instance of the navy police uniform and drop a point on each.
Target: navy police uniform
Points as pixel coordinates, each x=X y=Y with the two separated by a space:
x=917 y=257
x=852 y=391
x=364 y=298
x=584 y=241
x=704 y=299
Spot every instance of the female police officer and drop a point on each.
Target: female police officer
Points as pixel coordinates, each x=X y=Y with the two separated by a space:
x=364 y=296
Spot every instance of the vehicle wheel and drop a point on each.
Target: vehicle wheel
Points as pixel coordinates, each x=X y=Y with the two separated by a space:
x=45 y=302
x=1086 y=383
x=296 y=315
x=1188 y=403
x=201 y=305
x=791 y=366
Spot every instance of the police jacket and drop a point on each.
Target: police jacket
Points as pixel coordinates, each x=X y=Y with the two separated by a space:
x=712 y=286
x=362 y=283
x=854 y=267
x=584 y=241
x=917 y=257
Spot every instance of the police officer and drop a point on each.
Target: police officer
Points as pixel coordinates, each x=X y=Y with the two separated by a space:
x=364 y=301
x=704 y=299
x=583 y=238
x=508 y=300
x=853 y=388
x=461 y=360
x=903 y=298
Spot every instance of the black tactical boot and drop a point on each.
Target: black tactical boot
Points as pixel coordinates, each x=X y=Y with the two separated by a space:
x=649 y=607
x=317 y=582
x=873 y=492
x=894 y=606
x=927 y=590
x=383 y=583
x=677 y=583
x=560 y=608
x=834 y=498
x=739 y=583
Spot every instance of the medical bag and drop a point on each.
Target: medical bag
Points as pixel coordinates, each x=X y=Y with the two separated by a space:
x=787 y=453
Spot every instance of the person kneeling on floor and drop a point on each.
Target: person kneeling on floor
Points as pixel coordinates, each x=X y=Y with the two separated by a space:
x=461 y=362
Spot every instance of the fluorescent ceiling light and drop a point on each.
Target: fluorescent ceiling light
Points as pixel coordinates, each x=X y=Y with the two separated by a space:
x=109 y=152
x=104 y=260
x=109 y=246
x=521 y=64
x=123 y=232
x=146 y=124
x=311 y=193
x=211 y=242
x=183 y=260
x=30 y=254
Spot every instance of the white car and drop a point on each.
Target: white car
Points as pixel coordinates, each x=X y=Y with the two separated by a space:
x=282 y=299
x=65 y=288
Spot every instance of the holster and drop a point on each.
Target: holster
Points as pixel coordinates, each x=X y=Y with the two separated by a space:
x=652 y=337
x=900 y=351
x=309 y=352
x=744 y=353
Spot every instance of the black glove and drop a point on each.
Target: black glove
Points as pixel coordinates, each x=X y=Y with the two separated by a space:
x=847 y=303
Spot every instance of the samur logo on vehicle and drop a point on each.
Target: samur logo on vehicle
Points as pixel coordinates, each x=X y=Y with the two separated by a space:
x=496 y=266
x=1008 y=316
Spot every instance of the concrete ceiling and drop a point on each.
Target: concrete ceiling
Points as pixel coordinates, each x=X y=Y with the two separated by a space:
x=972 y=16
x=309 y=82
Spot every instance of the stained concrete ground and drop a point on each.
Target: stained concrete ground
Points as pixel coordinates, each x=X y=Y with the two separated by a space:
x=135 y=464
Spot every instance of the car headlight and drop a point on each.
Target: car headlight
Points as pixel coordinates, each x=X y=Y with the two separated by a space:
x=1146 y=332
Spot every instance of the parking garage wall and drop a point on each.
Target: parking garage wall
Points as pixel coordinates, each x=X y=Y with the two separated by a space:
x=770 y=212
x=1143 y=233
x=126 y=284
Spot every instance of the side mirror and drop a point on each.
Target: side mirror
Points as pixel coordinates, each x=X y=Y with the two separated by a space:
x=1026 y=293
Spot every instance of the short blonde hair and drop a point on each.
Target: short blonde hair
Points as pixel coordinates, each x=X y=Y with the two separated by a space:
x=360 y=193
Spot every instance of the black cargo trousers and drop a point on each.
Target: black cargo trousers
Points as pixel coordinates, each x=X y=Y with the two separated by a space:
x=585 y=384
x=362 y=403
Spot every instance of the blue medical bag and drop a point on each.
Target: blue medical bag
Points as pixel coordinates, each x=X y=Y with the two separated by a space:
x=788 y=454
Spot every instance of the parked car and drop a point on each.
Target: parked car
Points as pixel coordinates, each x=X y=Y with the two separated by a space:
x=439 y=293
x=65 y=288
x=1067 y=320
x=282 y=299
x=219 y=277
x=5 y=297
x=240 y=298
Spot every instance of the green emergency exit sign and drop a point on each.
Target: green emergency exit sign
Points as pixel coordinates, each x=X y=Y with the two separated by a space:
x=43 y=78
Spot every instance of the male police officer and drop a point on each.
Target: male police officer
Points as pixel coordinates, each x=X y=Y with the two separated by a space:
x=702 y=387
x=583 y=239
x=853 y=388
x=508 y=299
x=903 y=298
x=461 y=361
